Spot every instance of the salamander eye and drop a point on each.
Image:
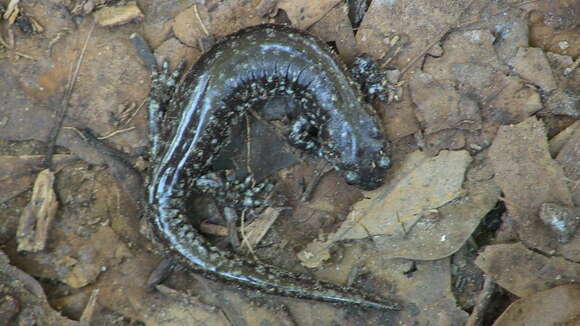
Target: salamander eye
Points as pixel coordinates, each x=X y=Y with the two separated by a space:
x=384 y=162
x=351 y=177
x=375 y=133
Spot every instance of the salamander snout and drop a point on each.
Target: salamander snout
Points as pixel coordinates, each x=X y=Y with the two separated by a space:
x=369 y=171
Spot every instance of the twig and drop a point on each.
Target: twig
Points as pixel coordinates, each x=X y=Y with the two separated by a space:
x=231 y=217
x=248 y=145
x=24 y=55
x=200 y=21
x=64 y=102
x=114 y=133
x=482 y=304
x=77 y=131
x=134 y=114
x=89 y=310
x=245 y=236
x=321 y=170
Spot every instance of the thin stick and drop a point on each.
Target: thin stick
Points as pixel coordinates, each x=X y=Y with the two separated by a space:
x=64 y=103
x=200 y=21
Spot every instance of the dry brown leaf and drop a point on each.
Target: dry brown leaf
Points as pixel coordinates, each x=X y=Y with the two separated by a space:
x=198 y=22
x=304 y=13
x=529 y=177
x=173 y=308
x=102 y=250
x=32 y=303
x=569 y=158
x=335 y=27
x=532 y=65
x=524 y=272
x=424 y=287
x=558 y=141
x=419 y=23
x=557 y=306
x=440 y=107
x=471 y=67
x=445 y=233
x=17 y=172
x=424 y=183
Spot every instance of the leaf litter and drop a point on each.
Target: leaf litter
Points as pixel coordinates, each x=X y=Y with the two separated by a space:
x=468 y=71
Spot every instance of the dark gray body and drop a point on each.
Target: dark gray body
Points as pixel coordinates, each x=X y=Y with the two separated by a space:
x=189 y=127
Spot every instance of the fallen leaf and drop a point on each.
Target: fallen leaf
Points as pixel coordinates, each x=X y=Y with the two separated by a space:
x=423 y=287
x=557 y=306
x=423 y=184
x=532 y=65
x=335 y=27
x=304 y=13
x=33 y=305
x=529 y=177
x=17 y=173
x=469 y=61
x=558 y=141
x=440 y=107
x=455 y=223
x=523 y=271
x=569 y=158
x=418 y=23
x=562 y=220
x=172 y=308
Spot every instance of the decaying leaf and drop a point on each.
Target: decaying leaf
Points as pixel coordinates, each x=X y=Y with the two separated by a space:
x=17 y=172
x=557 y=306
x=523 y=271
x=529 y=177
x=33 y=307
x=424 y=184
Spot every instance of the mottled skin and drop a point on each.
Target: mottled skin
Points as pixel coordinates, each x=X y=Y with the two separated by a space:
x=189 y=124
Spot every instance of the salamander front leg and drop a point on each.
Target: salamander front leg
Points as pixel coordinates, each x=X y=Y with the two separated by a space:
x=372 y=79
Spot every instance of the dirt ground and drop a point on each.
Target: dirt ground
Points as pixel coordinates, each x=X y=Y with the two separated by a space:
x=477 y=223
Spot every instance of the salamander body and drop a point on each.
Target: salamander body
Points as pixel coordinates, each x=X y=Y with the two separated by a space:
x=189 y=124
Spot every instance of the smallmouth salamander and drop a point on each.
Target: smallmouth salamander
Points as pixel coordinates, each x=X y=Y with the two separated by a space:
x=189 y=123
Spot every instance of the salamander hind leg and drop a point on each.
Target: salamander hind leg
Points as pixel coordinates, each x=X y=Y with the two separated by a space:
x=302 y=134
x=163 y=86
x=233 y=192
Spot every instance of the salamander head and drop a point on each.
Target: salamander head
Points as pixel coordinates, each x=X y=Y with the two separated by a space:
x=358 y=151
x=370 y=173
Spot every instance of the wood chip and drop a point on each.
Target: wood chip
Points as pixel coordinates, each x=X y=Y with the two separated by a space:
x=255 y=231
x=118 y=15
x=213 y=229
x=37 y=217
x=90 y=309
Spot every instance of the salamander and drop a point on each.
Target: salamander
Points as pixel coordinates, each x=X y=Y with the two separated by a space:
x=189 y=123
